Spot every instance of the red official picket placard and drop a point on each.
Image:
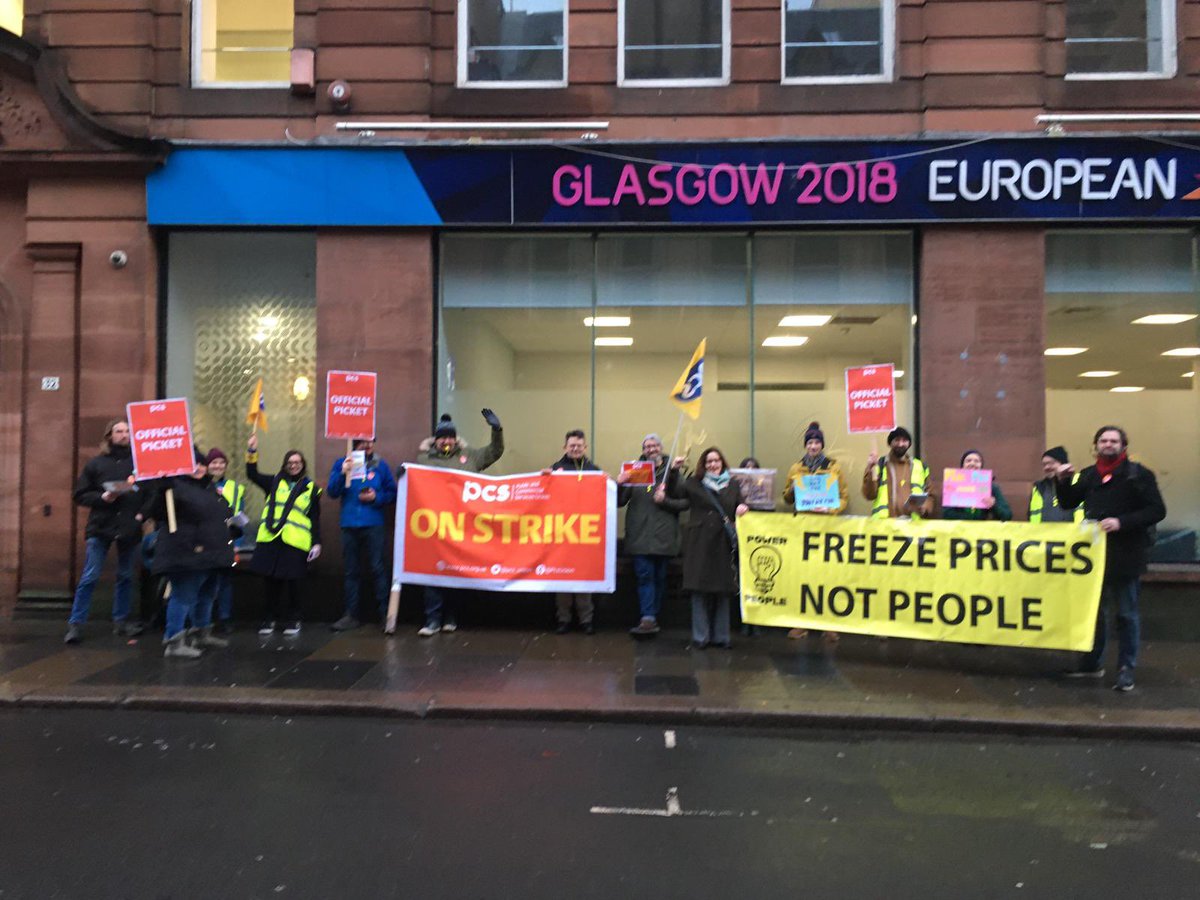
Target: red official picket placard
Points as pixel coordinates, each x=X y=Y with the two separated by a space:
x=160 y=436
x=870 y=399
x=350 y=405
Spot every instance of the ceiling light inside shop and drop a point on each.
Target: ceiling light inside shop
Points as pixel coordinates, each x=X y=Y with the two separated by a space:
x=614 y=342
x=1164 y=319
x=301 y=387
x=1126 y=389
x=607 y=321
x=785 y=340
x=268 y=321
x=807 y=321
x=1065 y=351
x=259 y=336
x=1099 y=373
x=1183 y=351
x=897 y=373
x=1188 y=374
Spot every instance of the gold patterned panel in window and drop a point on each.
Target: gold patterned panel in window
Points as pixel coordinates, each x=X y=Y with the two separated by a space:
x=242 y=43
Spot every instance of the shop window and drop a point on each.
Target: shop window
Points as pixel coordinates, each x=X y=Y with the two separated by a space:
x=1125 y=306
x=518 y=43
x=1121 y=38
x=837 y=40
x=242 y=306
x=573 y=331
x=673 y=43
x=11 y=14
x=240 y=44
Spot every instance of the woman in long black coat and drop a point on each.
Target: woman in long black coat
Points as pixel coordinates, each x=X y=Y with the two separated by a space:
x=282 y=565
x=709 y=541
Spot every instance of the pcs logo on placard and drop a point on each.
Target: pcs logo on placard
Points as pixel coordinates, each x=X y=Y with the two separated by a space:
x=489 y=493
x=765 y=563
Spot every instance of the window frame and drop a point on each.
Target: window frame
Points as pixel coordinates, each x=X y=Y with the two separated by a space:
x=719 y=81
x=197 y=48
x=461 y=78
x=887 y=61
x=1170 y=52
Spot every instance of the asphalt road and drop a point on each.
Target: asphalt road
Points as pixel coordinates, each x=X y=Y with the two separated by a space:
x=100 y=804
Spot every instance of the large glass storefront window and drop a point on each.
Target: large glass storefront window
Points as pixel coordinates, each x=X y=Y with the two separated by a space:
x=242 y=306
x=581 y=331
x=1122 y=345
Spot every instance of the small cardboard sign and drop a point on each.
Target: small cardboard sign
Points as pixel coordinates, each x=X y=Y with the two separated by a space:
x=641 y=471
x=966 y=488
x=870 y=399
x=758 y=487
x=160 y=436
x=817 y=493
x=350 y=405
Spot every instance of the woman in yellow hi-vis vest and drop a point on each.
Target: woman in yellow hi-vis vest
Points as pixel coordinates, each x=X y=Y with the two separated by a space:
x=289 y=537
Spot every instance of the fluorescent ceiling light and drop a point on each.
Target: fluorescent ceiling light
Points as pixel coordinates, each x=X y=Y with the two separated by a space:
x=268 y=321
x=809 y=321
x=1183 y=351
x=1164 y=319
x=614 y=342
x=785 y=340
x=1099 y=373
x=607 y=321
x=1126 y=389
x=1188 y=374
x=897 y=373
x=1065 y=351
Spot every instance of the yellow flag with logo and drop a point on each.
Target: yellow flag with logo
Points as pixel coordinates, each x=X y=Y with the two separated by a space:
x=257 y=414
x=689 y=389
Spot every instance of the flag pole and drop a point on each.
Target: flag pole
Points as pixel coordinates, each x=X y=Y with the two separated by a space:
x=674 y=444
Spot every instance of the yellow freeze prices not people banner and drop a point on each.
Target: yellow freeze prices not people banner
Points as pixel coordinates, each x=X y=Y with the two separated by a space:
x=1007 y=583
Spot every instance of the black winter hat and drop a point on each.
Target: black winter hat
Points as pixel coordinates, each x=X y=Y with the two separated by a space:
x=814 y=431
x=900 y=431
x=1057 y=453
x=445 y=427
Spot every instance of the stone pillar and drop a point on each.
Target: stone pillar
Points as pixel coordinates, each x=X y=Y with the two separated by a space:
x=982 y=333
x=49 y=544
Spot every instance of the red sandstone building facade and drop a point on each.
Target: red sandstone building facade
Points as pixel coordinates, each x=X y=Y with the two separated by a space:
x=810 y=185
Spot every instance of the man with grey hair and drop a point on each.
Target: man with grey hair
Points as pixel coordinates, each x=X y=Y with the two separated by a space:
x=651 y=532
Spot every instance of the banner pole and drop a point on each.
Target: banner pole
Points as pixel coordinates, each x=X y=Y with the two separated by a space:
x=389 y=625
x=170 y=500
x=349 y=450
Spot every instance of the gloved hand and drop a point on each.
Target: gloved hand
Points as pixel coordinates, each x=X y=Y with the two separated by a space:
x=490 y=417
x=314 y=552
x=399 y=473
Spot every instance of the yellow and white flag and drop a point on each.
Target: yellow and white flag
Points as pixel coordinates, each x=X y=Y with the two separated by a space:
x=688 y=390
x=257 y=414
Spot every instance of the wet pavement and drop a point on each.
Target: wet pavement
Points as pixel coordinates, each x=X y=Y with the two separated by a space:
x=523 y=673
x=140 y=804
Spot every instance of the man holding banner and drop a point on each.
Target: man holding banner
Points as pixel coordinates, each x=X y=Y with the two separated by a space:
x=574 y=459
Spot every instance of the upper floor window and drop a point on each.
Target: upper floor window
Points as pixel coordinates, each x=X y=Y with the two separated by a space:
x=514 y=43
x=236 y=43
x=11 y=13
x=1120 y=38
x=838 y=40
x=673 y=43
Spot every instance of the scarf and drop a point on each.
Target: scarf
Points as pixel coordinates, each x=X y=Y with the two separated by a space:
x=1106 y=468
x=817 y=462
x=717 y=483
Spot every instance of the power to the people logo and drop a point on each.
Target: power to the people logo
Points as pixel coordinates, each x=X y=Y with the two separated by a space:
x=765 y=563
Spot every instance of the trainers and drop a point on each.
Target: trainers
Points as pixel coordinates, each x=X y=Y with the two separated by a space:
x=648 y=626
x=125 y=628
x=74 y=634
x=345 y=623
x=450 y=627
x=292 y=629
x=1084 y=673
x=266 y=628
x=1124 y=681
x=204 y=638
x=429 y=630
x=562 y=627
x=177 y=648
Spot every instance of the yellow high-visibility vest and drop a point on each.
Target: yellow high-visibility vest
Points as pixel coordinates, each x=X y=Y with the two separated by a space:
x=920 y=481
x=234 y=494
x=296 y=529
x=1036 y=504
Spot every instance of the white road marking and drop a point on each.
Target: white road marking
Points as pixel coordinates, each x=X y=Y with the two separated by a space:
x=672 y=810
x=669 y=739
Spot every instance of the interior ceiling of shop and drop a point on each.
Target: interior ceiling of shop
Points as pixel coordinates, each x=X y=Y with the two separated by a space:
x=877 y=335
x=1103 y=324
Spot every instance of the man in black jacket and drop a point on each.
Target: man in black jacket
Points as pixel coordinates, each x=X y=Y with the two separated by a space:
x=103 y=488
x=575 y=459
x=1123 y=497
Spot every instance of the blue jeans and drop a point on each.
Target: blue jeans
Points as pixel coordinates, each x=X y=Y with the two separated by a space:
x=651 y=572
x=192 y=595
x=97 y=550
x=1123 y=594
x=441 y=606
x=710 y=618
x=224 y=601
x=354 y=541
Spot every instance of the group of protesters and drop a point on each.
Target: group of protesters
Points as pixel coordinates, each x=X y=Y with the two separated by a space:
x=194 y=555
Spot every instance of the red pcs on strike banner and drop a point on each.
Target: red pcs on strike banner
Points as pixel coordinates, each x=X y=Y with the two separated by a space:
x=160 y=435
x=870 y=399
x=350 y=405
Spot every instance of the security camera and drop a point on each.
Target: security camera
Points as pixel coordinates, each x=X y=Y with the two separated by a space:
x=118 y=259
